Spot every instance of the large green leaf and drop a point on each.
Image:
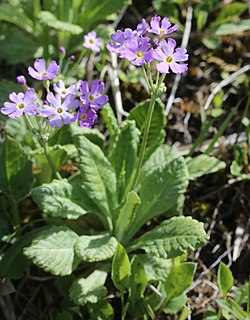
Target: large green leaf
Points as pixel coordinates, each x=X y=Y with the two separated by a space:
x=89 y=289
x=124 y=155
x=168 y=183
x=53 y=250
x=94 y=135
x=16 y=16
x=98 y=177
x=137 y=281
x=156 y=131
x=95 y=10
x=157 y=269
x=121 y=269
x=125 y=215
x=13 y=41
x=172 y=238
x=50 y=20
x=203 y=164
x=62 y=199
x=110 y=119
x=15 y=170
x=95 y=248
x=231 y=28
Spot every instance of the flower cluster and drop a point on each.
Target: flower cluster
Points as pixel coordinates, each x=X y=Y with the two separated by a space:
x=78 y=102
x=134 y=46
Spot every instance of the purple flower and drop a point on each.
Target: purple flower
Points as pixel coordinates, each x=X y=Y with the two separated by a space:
x=86 y=116
x=91 y=42
x=21 y=80
x=62 y=50
x=121 y=39
x=93 y=97
x=58 y=111
x=141 y=28
x=162 y=28
x=60 y=89
x=138 y=51
x=170 y=56
x=72 y=58
x=40 y=72
x=21 y=103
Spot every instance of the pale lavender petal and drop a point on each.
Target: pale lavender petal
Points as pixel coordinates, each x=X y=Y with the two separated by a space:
x=84 y=87
x=29 y=96
x=40 y=65
x=14 y=97
x=178 y=68
x=96 y=87
x=52 y=70
x=173 y=28
x=168 y=47
x=55 y=101
x=16 y=114
x=158 y=54
x=47 y=111
x=102 y=100
x=155 y=24
x=180 y=54
x=112 y=47
x=8 y=108
x=56 y=121
x=162 y=67
x=34 y=74
x=165 y=23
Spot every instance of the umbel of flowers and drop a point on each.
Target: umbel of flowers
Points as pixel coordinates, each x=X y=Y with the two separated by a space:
x=63 y=105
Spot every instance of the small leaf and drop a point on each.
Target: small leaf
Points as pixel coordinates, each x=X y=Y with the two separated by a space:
x=172 y=238
x=156 y=134
x=110 y=120
x=53 y=250
x=231 y=28
x=102 y=310
x=201 y=19
x=124 y=155
x=15 y=170
x=50 y=20
x=202 y=165
x=98 y=176
x=175 y=304
x=179 y=279
x=125 y=215
x=95 y=248
x=225 y=279
x=137 y=281
x=121 y=269
x=62 y=199
x=90 y=289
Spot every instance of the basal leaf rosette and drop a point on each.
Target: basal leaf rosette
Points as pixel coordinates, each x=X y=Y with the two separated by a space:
x=53 y=250
x=172 y=238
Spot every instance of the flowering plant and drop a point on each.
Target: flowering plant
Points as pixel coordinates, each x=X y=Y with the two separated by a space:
x=120 y=185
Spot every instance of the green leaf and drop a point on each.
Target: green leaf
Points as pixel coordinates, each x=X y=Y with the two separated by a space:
x=99 y=177
x=121 y=269
x=16 y=16
x=90 y=289
x=15 y=170
x=201 y=19
x=95 y=248
x=124 y=155
x=125 y=215
x=93 y=135
x=137 y=281
x=172 y=238
x=95 y=10
x=175 y=304
x=156 y=131
x=211 y=42
x=110 y=120
x=231 y=28
x=229 y=12
x=62 y=199
x=225 y=279
x=50 y=20
x=53 y=250
x=169 y=182
x=13 y=41
x=179 y=279
x=232 y=308
x=202 y=165
x=102 y=310
x=157 y=269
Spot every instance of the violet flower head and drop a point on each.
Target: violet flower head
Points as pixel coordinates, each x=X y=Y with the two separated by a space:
x=93 y=97
x=121 y=38
x=161 y=28
x=86 y=116
x=21 y=103
x=62 y=50
x=21 y=80
x=58 y=111
x=92 y=42
x=62 y=90
x=169 y=56
x=40 y=72
x=139 y=51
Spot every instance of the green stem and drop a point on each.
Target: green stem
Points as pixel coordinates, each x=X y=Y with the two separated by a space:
x=146 y=78
x=50 y=162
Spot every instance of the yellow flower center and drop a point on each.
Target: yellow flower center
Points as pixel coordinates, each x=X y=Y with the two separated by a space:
x=64 y=92
x=44 y=74
x=20 y=106
x=83 y=116
x=91 y=41
x=91 y=97
x=59 y=110
x=139 y=54
x=161 y=31
x=169 y=59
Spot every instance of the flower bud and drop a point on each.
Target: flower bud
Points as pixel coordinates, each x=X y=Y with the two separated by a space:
x=21 y=80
